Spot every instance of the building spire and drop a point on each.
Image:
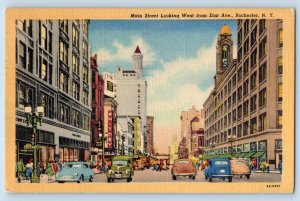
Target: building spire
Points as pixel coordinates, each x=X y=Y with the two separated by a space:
x=137 y=50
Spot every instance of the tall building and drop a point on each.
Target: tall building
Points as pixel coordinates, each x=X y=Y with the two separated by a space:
x=149 y=135
x=132 y=93
x=191 y=122
x=97 y=117
x=110 y=114
x=197 y=134
x=127 y=131
x=52 y=68
x=245 y=105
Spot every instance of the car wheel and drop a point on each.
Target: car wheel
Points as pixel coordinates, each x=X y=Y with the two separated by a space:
x=241 y=176
x=129 y=179
x=223 y=178
x=61 y=182
x=229 y=179
x=248 y=176
x=210 y=179
x=194 y=177
x=80 y=179
x=91 y=179
x=205 y=177
x=108 y=180
x=174 y=177
x=112 y=179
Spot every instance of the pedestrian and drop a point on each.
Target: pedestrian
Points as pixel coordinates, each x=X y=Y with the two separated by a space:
x=280 y=166
x=267 y=166
x=55 y=168
x=28 y=169
x=161 y=164
x=103 y=166
x=20 y=169
x=49 y=171
x=252 y=166
x=198 y=165
x=262 y=166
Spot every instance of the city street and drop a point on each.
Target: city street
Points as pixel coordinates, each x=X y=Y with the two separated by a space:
x=149 y=175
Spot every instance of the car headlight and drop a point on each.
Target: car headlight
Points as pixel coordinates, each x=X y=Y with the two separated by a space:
x=76 y=174
x=110 y=171
x=127 y=171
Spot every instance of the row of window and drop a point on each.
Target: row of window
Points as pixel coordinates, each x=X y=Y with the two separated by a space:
x=63 y=24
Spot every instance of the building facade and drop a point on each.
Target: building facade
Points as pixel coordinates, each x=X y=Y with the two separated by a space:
x=246 y=102
x=52 y=68
x=126 y=123
x=131 y=93
x=173 y=149
x=149 y=135
x=97 y=116
x=191 y=122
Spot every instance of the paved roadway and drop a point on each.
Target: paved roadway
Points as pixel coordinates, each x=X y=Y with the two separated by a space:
x=149 y=175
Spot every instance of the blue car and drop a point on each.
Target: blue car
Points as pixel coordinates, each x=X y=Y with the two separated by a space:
x=218 y=168
x=76 y=172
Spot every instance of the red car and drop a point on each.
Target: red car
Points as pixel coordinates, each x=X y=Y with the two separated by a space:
x=183 y=167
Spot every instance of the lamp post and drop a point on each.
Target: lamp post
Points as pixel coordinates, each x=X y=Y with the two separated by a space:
x=123 y=139
x=231 y=139
x=34 y=118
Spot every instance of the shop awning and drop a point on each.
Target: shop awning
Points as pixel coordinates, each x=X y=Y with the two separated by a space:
x=258 y=154
x=243 y=154
x=221 y=155
x=236 y=155
x=249 y=154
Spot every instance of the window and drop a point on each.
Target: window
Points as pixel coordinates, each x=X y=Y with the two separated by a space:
x=44 y=37
x=246 y=67
x=279 y=118
x=263 y=121
x=253 y=36
x=246 y=107
x=280 y=38
x=76 y=118
x=229 y=118
x=85 y=27
x=279 y=92
x=239 y=111
x=229 y=101
x=240 y=37
x=63 y=52
x=233 y=115
x=253 y=81
x=240 y=54
x=75 y=64
x=85 y=49
x=239 y=130
x=253 y=146
x=234 y=98
x=21 y=24
x=85 y=98
x=225 y=55
x=245 y=128
x=30 y=60
x=85 y=74
x=239 y=74
x=263 y=48
x=262 y=97
x=229 y=86
x=253 y=103
x=85 y=122
x=44 y=71
x=22 y=55
x=93 y=77
x=75 y=93
x=239 y=93
x=262 y=72
x=246 y=27
x=278 y=144
x=63 y=82
x=262 y=26
x=253 y=125
x=246 y=46
x=253 y=58
x=234 y=80
x=21 y=96
x=63 y=24
x=50 y=43
x=94 y=95
x=75 y=36
x=246 y=87
x=280 y=66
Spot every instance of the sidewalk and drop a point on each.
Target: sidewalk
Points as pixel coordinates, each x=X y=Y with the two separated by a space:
x=271 y=172
x=43 y=179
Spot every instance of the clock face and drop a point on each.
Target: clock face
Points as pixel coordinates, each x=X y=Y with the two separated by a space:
x=225 y=48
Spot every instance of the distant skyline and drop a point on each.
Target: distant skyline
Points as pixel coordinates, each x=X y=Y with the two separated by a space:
x=179 y=63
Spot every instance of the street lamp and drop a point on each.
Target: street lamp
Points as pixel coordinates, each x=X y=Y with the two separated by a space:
x=34 y=118
x=231 y=139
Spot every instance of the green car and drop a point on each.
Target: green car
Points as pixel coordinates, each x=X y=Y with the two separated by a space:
x=121 y=168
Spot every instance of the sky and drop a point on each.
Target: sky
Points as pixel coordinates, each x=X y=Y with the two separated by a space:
x=179 y=58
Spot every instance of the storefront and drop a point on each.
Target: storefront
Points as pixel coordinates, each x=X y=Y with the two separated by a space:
x=73 y=150
x=44 y=138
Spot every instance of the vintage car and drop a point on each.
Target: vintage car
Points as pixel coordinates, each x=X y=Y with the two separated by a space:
x=138 y=165
x=183 y=167
x=75 y=171
x=121 y=168
x=146 y=161
x=240 y=167
x=218 y=168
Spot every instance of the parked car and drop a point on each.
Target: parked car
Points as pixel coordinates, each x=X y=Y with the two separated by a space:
x=183 y=167
x=75 y=171
x=218 y=168
x=121 y=168
x=240 y=167
x=146 y=161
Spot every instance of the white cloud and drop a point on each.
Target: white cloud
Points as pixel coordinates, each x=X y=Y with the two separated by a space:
x=124 y=52
x=176 y=88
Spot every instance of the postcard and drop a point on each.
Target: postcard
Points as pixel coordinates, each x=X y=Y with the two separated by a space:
x=150 y=100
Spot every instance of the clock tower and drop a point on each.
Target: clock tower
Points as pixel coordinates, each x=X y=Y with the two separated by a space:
x=224 y=51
